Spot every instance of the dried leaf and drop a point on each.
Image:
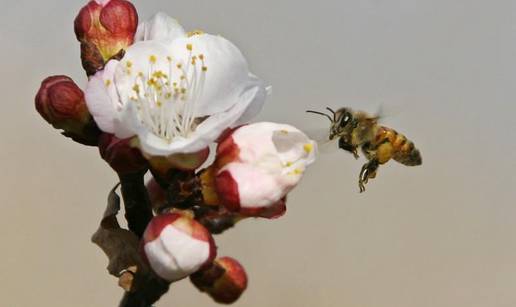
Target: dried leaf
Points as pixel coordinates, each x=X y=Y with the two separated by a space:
x=120 y=245
x=142 y=286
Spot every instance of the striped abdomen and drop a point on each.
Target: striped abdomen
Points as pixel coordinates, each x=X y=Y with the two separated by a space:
x=403 y=150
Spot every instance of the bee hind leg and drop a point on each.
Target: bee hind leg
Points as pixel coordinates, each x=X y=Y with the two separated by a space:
x=368 y=171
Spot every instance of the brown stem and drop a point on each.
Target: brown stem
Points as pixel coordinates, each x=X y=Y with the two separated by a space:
x=148 y=288
x=150 y=291
x=138 y=210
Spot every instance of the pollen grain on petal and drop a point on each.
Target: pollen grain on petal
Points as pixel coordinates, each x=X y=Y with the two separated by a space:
x=308 y=147
x=194 y=33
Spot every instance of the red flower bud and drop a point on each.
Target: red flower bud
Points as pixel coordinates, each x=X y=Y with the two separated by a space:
x=224 y=281
x=121 y=155
x=61 y=103
x=105 y=28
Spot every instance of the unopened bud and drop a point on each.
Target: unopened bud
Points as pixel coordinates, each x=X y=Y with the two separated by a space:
x=175 y=245
x=224 y=281
x=105 y=29
x=256 y=166
x=121 y=155
x=61 y=103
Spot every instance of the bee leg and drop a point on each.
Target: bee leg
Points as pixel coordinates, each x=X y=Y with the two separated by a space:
x=368 y=171
x=348 y=147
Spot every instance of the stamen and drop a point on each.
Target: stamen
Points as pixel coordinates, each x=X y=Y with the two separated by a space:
x=166 y=101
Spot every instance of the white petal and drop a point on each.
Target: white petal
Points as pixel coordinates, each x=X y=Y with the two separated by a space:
x=227 y=76
x=102 y=2
x=100 y=95
x=256 y=104
x=175 y=255
x=159 y=27
x=256 y=186
x=204 y=135
x=137 y=60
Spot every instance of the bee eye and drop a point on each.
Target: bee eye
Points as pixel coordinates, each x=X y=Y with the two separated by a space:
x=344 y=120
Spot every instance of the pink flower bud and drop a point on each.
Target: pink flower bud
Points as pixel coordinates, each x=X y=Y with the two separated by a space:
x=176 y=246
x=224 y=281
x=104 y=28
x=258 y=164
x=61 y=103
x=121 y=155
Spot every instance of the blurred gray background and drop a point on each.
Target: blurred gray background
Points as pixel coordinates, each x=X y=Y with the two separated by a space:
x=443 y=234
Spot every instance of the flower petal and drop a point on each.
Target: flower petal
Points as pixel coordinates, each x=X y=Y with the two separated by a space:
x=137 y=60
x=205 y=134
x=227 y=75
x=101 y=97
x=159 y=27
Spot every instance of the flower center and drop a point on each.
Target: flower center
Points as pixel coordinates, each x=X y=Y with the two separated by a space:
x=166 y=100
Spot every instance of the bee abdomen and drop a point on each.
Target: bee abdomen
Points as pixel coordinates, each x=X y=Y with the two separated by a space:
x=406 y=153
x=404 y=150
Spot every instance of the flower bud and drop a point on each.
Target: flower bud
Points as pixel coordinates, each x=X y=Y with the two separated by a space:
x=121 y=155
x=61 y=103
x=105 y=29
x=257 y=165
x=175 y=245
x=224 y=281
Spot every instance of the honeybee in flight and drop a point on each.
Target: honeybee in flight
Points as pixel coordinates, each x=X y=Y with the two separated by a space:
x=379 y=144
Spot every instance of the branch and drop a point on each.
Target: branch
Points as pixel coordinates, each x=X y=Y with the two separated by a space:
x=138 y=210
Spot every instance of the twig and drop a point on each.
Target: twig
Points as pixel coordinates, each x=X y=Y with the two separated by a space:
x=138 y=211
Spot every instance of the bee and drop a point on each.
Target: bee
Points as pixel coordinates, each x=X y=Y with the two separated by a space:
x=379 y=144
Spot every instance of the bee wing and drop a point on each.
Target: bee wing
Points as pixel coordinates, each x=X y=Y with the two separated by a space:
x=324 y=144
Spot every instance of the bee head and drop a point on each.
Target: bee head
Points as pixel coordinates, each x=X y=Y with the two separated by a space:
x=339 y=119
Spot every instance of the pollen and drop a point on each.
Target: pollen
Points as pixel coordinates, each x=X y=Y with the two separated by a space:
x=297 y=171
x=308 y=147
x=107 y=82
x=204 y=68
x=169 y=58
x=189 y=47
x=159 y=74
x=153 y=59
x=136 y=88
x=288 y=164
x=194 y=32
x=129 y=64
x=284 y=131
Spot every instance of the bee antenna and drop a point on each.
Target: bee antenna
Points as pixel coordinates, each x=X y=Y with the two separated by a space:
x=330 y=109
x=320 y=113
